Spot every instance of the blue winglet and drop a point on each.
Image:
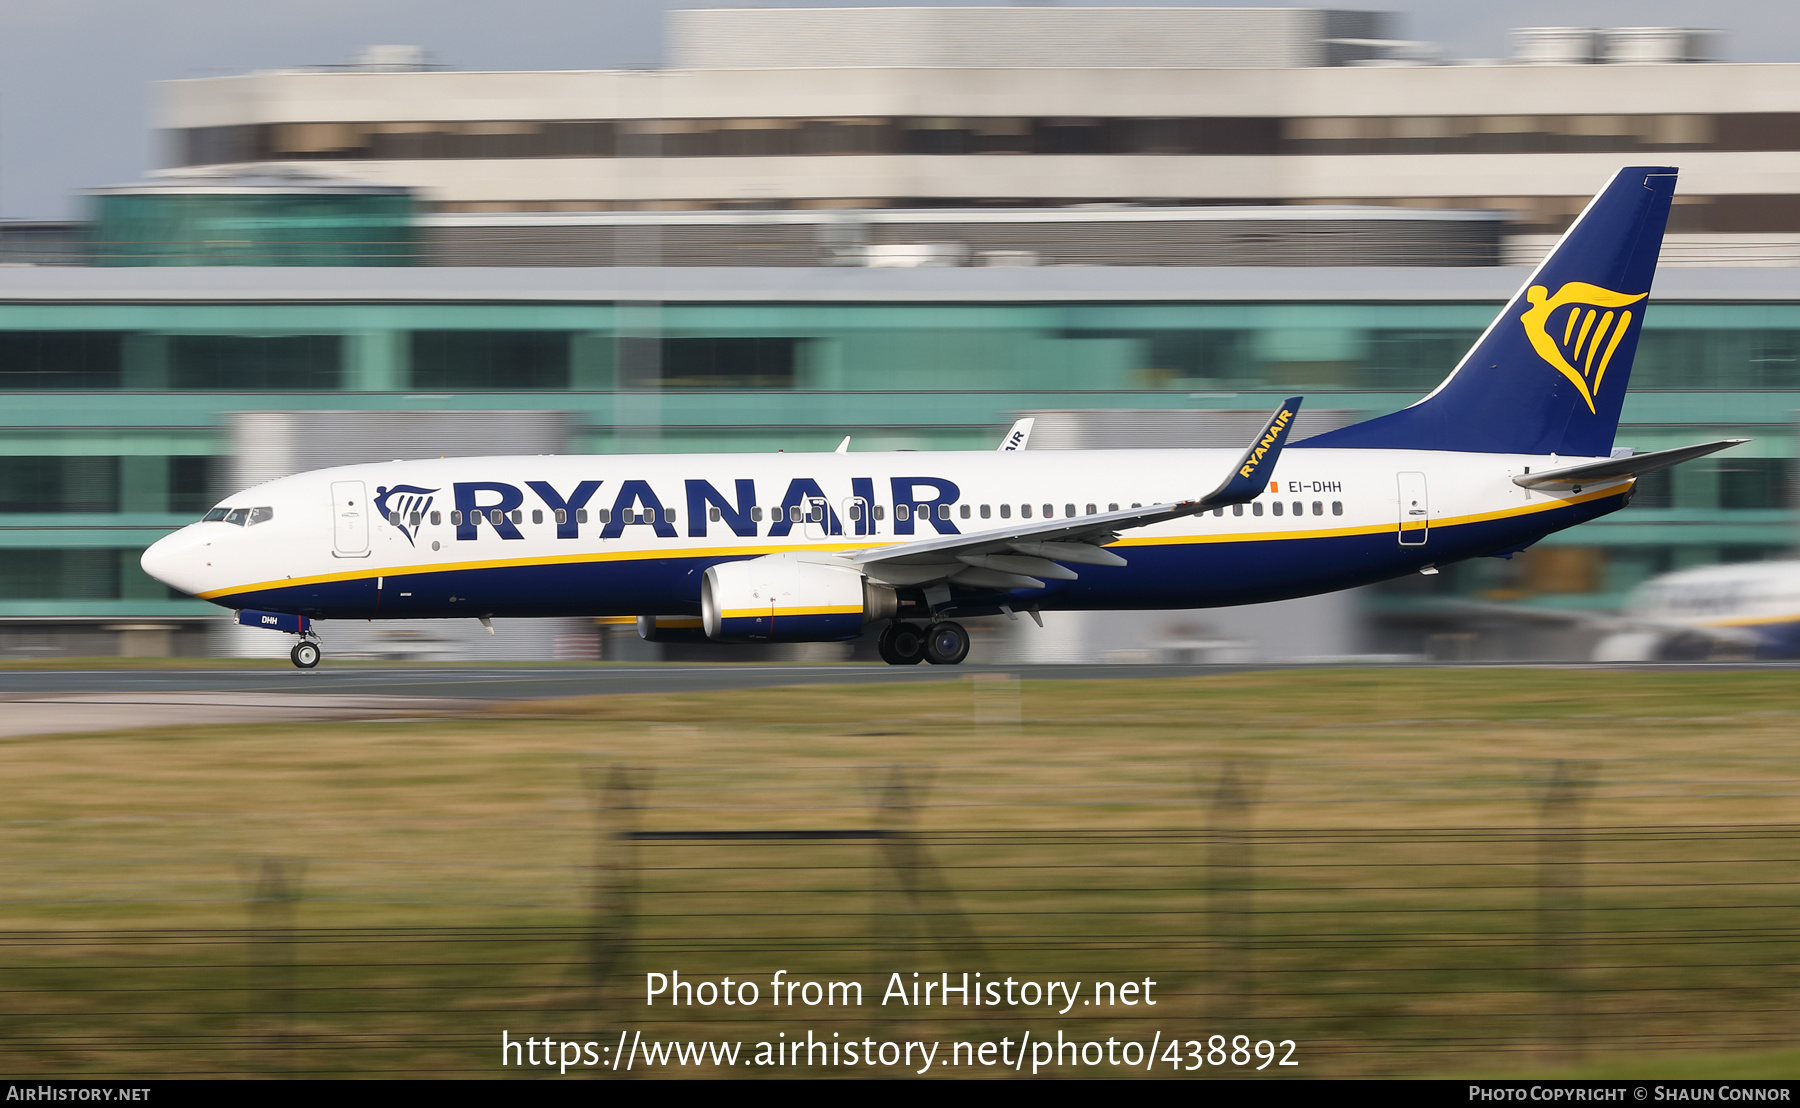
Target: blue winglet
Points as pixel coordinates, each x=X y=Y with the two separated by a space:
x=1249 y=477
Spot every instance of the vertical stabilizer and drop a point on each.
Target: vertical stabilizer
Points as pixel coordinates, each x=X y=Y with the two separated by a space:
x=1548 y=376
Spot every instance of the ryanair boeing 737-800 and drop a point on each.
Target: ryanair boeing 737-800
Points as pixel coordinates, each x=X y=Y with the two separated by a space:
x=1515 y=444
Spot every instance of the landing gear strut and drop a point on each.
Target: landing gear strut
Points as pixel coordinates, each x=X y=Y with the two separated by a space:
x=901 y=644
x=305 y=654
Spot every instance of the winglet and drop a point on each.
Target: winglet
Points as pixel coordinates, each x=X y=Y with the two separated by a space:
x=1019 y=435
x=1249 y=477
x=843 y=447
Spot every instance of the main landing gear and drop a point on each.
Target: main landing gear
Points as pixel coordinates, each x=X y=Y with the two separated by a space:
x=944 y=643
x=305 y=654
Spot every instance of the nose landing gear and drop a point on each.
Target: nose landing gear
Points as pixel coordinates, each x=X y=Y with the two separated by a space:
x=305 y=654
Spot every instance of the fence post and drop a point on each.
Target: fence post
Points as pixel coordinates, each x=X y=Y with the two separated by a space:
x=613 y=877
x=274 y=890
x=1230 y=880
x=917 y=890
x=1560 y=888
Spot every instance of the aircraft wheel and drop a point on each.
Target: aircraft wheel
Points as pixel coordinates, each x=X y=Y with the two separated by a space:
x=902 y=644
x=946 y=643
x=305 y=655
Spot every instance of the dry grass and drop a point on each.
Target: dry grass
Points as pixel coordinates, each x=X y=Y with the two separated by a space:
x=451 y=866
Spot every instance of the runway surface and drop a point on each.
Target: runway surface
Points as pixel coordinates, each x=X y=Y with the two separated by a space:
x=454 y=682
x=438 y=683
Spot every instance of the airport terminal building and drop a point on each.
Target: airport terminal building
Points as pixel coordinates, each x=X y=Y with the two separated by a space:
x=756 y=250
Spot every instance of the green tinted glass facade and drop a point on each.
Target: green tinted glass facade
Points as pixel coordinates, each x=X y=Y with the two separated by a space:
x=253 y=228
x=116 y=409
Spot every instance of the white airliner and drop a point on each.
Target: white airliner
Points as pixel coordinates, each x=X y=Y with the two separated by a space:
x=1744 y=610
x=1748 y=609
x=1515 y=444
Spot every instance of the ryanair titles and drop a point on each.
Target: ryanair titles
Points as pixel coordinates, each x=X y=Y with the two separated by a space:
x=918 y=503
x=1271 y=435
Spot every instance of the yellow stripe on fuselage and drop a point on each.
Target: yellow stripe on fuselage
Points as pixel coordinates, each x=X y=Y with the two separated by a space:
x=641 y=555
x=814 y=610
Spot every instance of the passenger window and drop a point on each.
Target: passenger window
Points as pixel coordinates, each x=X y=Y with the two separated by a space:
x=1006 y=511
x=1275 y=507
x=1068 y=511
x=1299 y=508
x=456 y=518
x=1218 y=511
x=437 y=519
x=854 y=512
x=518 y=516
x=415 y=519
x=214 y=516
x=581 y=515
x=258 y=515
x=603 y=515
x=1092 y=510
x=794 y=513
x=1049 y=511
x=1135 y=504
x=756 y=514
x=237 y=516
x=902 y=512
x=880 y=511
x=1337 y=507
x=1112 y=507
x=1256 y=508
x=1318 y=507
x=668 y=515
x=943 y=511
x=562 y=515
x=1237 y=509
x=712 y=514
x=537 y=515
x=394 y=517
x=965 y=511
x=1024 y=511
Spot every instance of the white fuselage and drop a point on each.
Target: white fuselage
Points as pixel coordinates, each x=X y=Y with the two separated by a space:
x=644 y=534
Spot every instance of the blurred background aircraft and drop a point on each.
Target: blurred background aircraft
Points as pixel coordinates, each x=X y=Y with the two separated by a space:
x=1140 y=226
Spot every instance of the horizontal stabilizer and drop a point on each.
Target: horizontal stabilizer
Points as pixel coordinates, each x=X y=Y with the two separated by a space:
x=1632 y=465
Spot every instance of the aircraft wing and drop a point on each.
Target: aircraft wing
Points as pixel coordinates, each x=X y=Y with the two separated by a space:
x=1021 y=555
x=1632 y=465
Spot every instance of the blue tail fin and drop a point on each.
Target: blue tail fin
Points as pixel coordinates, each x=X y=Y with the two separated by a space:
x=1548 y=376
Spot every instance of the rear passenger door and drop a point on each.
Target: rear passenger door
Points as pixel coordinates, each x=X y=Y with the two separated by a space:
x=1415 y=510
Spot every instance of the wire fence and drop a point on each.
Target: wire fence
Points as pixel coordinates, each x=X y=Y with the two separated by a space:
x=1391 y=949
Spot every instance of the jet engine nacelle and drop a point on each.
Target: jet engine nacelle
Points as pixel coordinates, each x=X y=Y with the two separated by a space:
x=780 y=598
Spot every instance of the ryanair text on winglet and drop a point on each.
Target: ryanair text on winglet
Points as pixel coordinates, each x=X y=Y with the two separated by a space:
x=1276 y=427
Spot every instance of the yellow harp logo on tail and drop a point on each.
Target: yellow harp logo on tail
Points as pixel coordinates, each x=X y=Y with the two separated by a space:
x=1589 y=323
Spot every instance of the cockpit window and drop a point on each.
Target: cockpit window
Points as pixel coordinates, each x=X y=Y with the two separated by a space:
x=214 y=515
x=260 y=515
x=237 y=516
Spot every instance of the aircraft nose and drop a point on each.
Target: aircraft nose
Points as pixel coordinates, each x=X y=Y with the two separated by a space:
x=178 y=560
